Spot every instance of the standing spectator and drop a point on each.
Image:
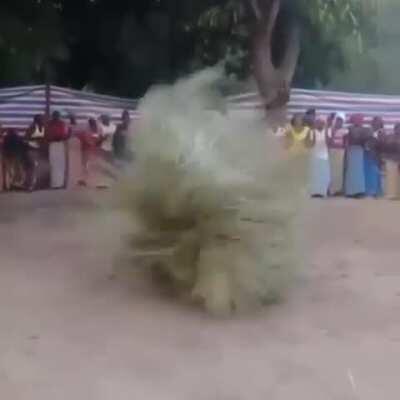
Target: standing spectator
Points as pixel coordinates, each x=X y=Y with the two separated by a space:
x=310 y=117
x=320 y=168
x=107 y=130
x=336 y=133
x=121 y=138
x=378 y=127
x=16 y=161
x=35 y=137
x=57 y=135
x=73 y=127
x=298 y=135
x=390 y=145
x=36 y=132
x=90 y=143
x=74 y=151
x=354 y=172
x=372 y=163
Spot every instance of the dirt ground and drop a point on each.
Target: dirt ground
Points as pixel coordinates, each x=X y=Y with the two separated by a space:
x=70 y=330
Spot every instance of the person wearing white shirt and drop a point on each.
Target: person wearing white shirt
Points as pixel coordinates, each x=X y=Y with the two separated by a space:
x=320 y=167
x=107 y=131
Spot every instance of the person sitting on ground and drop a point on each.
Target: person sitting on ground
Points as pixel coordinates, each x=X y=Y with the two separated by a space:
x=57 y=134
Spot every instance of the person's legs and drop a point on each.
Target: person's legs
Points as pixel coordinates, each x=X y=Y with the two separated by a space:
x=320 y=177
x=355 y=176
x=84 y=167
x=57 y=165
x=336 y=158
x=372 y=172
x=392 y=180
x=30 y=168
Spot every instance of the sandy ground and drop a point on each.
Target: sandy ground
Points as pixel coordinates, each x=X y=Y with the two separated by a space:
x=70 y=330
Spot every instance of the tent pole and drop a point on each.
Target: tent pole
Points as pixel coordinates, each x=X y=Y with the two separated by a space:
x=48 y=101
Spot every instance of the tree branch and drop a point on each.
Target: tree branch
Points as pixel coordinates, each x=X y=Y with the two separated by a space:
x=288 y=65
x=254 y=5
x=272 y=16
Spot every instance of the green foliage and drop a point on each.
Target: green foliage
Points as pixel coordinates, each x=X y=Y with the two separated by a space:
x=225 y=31
x=376 y=70
x=31 y=41
x=123 y=46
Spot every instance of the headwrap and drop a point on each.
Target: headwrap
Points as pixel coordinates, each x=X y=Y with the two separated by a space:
x=341 y=115
x=357 y=119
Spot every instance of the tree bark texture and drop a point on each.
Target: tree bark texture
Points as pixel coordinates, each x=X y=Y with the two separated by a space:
x=273 y=81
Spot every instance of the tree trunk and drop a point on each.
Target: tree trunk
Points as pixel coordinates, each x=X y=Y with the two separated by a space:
x=273 y=81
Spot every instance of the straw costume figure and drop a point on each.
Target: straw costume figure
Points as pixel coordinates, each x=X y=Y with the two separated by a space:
x=211 y=199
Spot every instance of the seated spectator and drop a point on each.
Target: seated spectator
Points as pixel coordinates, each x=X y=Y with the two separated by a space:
x=56 y=136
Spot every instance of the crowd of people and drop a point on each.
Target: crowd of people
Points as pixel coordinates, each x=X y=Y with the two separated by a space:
x=47 y=142
x=350 y=157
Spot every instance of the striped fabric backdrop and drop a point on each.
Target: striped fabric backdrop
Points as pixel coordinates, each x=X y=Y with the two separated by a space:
x=19 y=105
x=387 y=107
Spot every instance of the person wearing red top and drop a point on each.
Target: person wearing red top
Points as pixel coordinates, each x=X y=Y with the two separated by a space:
x=56 y=136
x=91 y=140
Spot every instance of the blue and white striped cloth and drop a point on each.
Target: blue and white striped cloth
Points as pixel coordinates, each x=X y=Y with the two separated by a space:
x=19 y=105
x=327 y=102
